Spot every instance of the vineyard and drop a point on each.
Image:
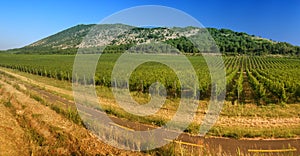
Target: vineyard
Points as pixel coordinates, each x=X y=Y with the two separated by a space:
x=249 y=79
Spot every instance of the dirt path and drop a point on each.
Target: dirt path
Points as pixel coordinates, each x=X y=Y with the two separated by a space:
x=42 y=85
x=248 y=94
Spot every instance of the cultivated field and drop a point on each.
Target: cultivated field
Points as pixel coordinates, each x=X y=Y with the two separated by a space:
x=262 y=101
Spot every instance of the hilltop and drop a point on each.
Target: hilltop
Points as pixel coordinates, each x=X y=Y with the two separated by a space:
x=228 y=41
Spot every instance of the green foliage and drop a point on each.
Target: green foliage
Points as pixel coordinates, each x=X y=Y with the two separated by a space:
x=242 y=43
x=7 y=104
x=273 y=80
x=227 y=41
x=240 y=84
x=183 y=44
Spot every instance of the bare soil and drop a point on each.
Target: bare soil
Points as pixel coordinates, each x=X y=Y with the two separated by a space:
x=29 y=127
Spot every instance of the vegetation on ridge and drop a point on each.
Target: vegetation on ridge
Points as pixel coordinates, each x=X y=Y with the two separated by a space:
x=228 y=41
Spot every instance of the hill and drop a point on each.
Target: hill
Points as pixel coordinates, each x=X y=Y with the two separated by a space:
x=228 y=41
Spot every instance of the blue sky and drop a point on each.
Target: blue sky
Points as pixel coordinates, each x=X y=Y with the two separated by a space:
x=26 y=21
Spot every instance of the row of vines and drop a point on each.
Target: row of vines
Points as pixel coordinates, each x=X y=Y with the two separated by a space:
x=272 y=80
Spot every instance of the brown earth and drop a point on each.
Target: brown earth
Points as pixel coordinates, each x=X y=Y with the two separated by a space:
x=29 y=127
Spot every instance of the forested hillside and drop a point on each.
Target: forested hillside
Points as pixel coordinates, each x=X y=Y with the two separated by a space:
x=228 y=41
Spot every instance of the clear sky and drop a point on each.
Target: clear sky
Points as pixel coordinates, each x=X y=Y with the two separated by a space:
x=26 y=21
